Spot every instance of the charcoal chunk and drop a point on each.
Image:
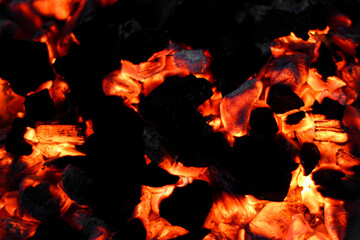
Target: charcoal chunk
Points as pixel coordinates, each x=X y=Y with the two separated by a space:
x=40 y=202
x=172 y=107
x=325 y=65
x=327 y=176
x=262 y=122
x=188 y=206
x=15 y=142
x=141 y=45
x=56 y=229
x=282 y=99
x=330 y=108
x=155 y=176
x=134 y=229
x=260 y=168
x=25 y=64
x=295 y=118
x=40 y=106
x=309 y=156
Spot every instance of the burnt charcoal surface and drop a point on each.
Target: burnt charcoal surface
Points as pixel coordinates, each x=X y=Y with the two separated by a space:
x=155 y=176
x=332 y=183
x=194 y=235
x=15 y=142
x=330 y=108
x=260 y=167
x=39 y=202
x=295 y=118
x=172 y=106
x=78 y=184
x=309 y=156
x=262 y=122
x=25 y=64
x=141 y=45
x=39 y=106
x=62 y=162
x=133 y=229
x=188 y=206
x=282 y=99
x=56 y=229
x=325 y=65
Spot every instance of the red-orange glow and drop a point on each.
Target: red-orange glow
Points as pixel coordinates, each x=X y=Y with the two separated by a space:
x=177 y=168
x=59 y=9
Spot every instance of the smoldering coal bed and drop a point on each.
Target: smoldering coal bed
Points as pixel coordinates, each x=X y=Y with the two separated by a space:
x=179 y=120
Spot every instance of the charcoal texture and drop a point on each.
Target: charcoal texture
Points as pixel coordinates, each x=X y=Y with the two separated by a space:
x=15 y=142
x=262 y=122
x=188 y=206
x=25 y=64
x=295 y=118
x=309 y=156
x=155 y=176
x=134 y=229
x=39 y=106
x=56 y=229
x=325 y=65
x=332 y=109
x=282 y=99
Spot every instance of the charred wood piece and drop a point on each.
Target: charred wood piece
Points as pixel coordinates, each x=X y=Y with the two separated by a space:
x=295 y=118
x=188 y=206
x=282 y=99
x=330 y=131
x=25 y=64
x=325 y=65
x=309 y=156
x=330 y=108
x=39 y=106
x=15 y=142
x=155 y=176
x=347 y=161
x=262 y=122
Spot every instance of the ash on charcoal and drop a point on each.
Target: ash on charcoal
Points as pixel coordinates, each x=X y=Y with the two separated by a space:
x=282 y=99
x=15 y=142
x=309 y=156
x=40 y=202
x=25 y=64
x=78 y=184
x=330 y=108
x=259 y=167
x=134 y=229
x=295 y=118
x=56 y=229
x=262 y=122
x=188 y=206
x=155 y=176
x=39 y=106
x=325 y=65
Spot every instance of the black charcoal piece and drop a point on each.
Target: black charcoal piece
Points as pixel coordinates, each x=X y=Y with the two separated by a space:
x=25 y=64
x=327 y=176
x=262 y=122
x=155 y=176
x=258 y=167
x=333 y=183
x=295 y=118
x=175 y=95
x=14 y=142
x=309 y=156
x=141 y=45
x=172 y=107
x=56 y=229
x=40 y=106
x=188 y=206
x=40 y=202
x=330 y=108
x=134 y=229
x=282 y=99
x=78 y=184
x=62 y=162
x=325 y=65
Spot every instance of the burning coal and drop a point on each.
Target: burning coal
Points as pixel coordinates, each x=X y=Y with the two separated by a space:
x=133 y=135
